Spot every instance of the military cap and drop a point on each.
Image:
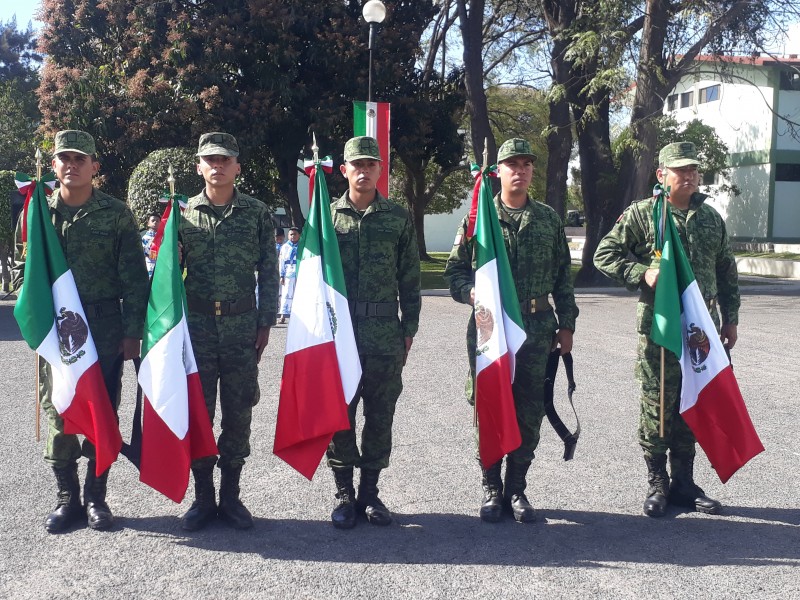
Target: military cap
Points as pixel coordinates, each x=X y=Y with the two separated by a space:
x=217 y=143
x=361 y=147
x=515 y=147
x=73 y=140
x=678 y=154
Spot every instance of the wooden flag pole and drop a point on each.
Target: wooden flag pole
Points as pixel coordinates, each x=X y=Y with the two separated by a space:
x=663 y=360
x=475 y=377
x=37 y=403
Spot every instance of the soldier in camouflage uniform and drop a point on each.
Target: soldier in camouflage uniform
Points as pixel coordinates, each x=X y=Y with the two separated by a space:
x=540 y=264
x=626 y=255
x=101 y=244
x=380 y=259
x=226 y=236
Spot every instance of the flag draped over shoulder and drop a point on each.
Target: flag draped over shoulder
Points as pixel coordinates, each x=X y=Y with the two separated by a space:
x=373 y=119
x=321 y=370
x=176 y=427
x=52 y=321
x=711 y=403
x=500 y=333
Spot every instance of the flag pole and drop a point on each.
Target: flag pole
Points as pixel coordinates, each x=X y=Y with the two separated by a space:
x=314 y=149
x=171 y=181
x=663 y=360
x=474 y=378
x=36 y=359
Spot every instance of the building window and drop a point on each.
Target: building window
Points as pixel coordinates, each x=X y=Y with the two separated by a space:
x=787 y=172
x=687 y=99
x=790 y=80
x=708 y=94
x=672 y=102
x=711 y=178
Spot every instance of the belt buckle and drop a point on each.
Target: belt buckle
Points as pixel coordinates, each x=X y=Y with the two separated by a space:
x=533 y=306
x=217 y=308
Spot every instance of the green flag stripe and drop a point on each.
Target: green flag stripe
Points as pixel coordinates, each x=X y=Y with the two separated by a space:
x=359 y=118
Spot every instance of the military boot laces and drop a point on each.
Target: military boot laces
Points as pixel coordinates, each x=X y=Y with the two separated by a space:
x=204 y=508
x=68 y=508
x=368 y=502
x=343 y=515
x=492 y=507
x=684 y=492
x=655 y=505
x=231 y=509
x=515 y=499
x=98 y=513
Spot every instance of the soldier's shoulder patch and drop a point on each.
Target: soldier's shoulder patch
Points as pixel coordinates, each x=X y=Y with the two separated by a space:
x=458 y=240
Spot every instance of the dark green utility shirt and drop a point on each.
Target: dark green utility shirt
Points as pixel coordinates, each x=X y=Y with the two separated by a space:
x=704 y=239
x=226 y=254
x=540 y=263
x=103 y=249
x=380 y=260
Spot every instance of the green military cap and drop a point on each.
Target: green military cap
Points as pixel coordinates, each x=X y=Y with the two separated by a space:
x=217 y=143
x=73 y=140
x=678 y=154
x=515 y=147
x=361 y=147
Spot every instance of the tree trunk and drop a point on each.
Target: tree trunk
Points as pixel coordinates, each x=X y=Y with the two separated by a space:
x=417 y=201
x=287 y=185
x=559 y=142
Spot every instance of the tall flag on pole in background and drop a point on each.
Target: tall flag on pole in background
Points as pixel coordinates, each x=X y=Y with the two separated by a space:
x=500 y=332
x=321 y=370
x=373 y=119
x=711 y=403
x=52 y=321
x=176 y=427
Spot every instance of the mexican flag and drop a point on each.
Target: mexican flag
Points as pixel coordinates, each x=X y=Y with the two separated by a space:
x=711 y=403
x=176 y=428
x=500 y=333
x=321 y=370
x=372 y=119
x=52 y=320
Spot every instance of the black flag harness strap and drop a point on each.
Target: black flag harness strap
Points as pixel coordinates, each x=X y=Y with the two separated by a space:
x=133 y=451
x=570 y=439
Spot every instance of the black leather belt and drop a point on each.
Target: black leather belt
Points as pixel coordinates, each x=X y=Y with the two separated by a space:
x=102 y=308
x=373 y=309
x=534 y=305
x=570 y=439
x=222 y=308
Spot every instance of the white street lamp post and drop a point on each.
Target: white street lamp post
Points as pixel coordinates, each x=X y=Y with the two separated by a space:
x=374 y=12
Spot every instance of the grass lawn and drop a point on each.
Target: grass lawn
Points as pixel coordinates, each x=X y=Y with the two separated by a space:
x=775 y=255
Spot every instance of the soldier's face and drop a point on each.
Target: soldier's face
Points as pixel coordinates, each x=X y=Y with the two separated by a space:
x=681 y=181
x=75 y=170
x=515 y=174
x=218 y=170
x=362 y=174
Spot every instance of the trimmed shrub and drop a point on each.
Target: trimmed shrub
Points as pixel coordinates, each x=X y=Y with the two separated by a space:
x=148 y=181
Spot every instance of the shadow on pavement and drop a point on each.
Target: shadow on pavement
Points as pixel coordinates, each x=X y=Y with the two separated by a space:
x=9 y=332
x=558 y=538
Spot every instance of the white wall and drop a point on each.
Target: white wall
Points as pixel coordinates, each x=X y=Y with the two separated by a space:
x=786 y=220
x=746 y=215
x=440 y=230
x=789 y=107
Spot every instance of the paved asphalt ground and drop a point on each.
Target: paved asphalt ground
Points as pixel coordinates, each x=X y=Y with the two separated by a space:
x=590 y=541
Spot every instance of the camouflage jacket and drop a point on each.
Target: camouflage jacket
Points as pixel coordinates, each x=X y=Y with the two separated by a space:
x=225 y=256
x=103 y=249
x=380 y=260
x=540 y=264
x=704 y=238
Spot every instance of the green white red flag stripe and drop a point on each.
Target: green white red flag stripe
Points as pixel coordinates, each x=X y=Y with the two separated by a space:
x=26 y=187
x=500 y=333
x=711 y=403
x=52 y=321
x=373 y=119
x=321 y=370
x=176 y=428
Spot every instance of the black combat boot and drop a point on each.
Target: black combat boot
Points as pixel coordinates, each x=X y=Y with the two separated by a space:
x=94 y=495
x=492 y=507
x=514 y=493
x=68 y=509
x=655 y=505
x=683 y=491
x=231 y=510
x=343 y=515
x=368 y=502
x=204 y=507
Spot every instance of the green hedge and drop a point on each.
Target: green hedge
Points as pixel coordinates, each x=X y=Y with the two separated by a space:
x=149 y=180
x=7 y=186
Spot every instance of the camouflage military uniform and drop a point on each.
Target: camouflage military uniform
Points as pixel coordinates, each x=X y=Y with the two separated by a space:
x=540 y=265
x=380 y=260
x=704 y=238
x=102 y=247
x=222 y=252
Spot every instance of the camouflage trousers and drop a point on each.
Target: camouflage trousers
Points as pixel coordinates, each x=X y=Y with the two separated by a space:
x=678 y=438
x=62 y=448
x=528 y=390
x=380 y=387
x=233 y=368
